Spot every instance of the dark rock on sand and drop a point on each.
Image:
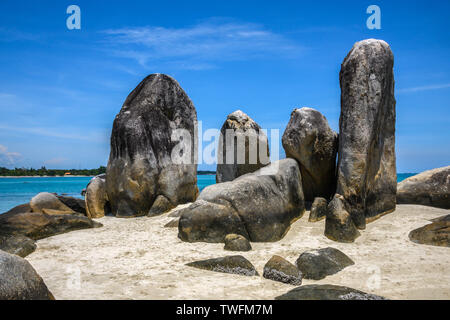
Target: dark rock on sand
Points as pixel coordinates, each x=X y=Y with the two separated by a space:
x=230 y=264
x=309 y=139
x=243 y=147
x=36 y=225
x=236 y=242
x=18 y=245
x=435 y=234
x=19 y=281
x=429 y=188
x=339 y=225
x=317 y=264
x=327 y=292
x=279 y=269
x=318 y=210
x=260 y=206
x=367 y=177
x=153 y=150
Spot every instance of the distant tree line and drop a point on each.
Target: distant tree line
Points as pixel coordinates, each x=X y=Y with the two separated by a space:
x=43 y=171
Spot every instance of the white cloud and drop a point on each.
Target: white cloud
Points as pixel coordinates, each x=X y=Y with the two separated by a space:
x=424 y=88
x=8 y=158
x=200 y=46
x=99 y=136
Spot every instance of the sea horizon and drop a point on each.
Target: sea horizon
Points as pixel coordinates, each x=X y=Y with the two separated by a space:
x=15 y=191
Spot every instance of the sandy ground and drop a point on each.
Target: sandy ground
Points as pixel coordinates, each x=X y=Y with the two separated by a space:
x=140 y=259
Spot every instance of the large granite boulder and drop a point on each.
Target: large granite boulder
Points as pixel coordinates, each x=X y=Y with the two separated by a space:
x=279 y=269
x=366 y=173
x=229 y=264
x=152 y=165
x=319 y=263
x=435 y=234
x=37 y=225
x=49 y=203
x=339 y=224
x=96 y=198
x=327 y=292
x=429 y=188
x=243 y=147
x=18 y=245
x=19 y=281
x=309 y=139
x=260 y=206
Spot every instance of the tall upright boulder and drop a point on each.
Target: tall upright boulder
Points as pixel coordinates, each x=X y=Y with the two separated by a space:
x=243 y=147
x=309 y=139
x=152 y=165
x=367 y=177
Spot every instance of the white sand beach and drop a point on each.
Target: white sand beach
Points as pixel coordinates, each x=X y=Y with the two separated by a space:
x=140 y=259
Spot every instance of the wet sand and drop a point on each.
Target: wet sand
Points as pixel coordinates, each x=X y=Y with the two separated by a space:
x=140 y=259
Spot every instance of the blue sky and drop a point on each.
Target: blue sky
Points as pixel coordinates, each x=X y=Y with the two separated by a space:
x=60 y=89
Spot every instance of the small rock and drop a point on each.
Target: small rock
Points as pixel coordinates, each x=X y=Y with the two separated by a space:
x=172 y=223
x=236 y=242
x=46 y=200
x=339 y=225
x=279 y=269
x=327 y=292
x=318 y=209
x=19 y=281
x=435 y=234
x=230 y=264
x=317 y=264
x=96 y=199
x=160 y=206
x=18 y=245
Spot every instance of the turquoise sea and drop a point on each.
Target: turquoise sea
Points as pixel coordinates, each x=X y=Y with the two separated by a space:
x=15 y=191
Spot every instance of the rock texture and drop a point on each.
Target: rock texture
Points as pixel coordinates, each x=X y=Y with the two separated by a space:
x=318 y=210
x=259 y=206
x=236 y=242
x=49 y=201
x=429 y=188
x=243 y=147
x=367 y=175
x=230 y=264
x=153 y=150
x=19 y=281
x=36 y=225
x=435 y=234
x=327 y=292
x=96 y=198
x=172 y=224
x=75 y=204
x=279 y=269
x=339 y=225
x=309 y=139
x=317 y=264
x=18 y=245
